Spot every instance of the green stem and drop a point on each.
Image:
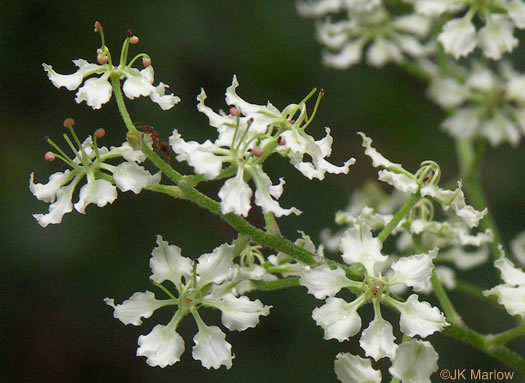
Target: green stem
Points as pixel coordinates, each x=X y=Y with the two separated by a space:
x=442 y=296
x=469 y=161
x=476 y=292
x=271 y=224
x=506 y=336
x=383 y=235
x=171 y=190
x=275 y=285
x=477 y=340
x=115 y=82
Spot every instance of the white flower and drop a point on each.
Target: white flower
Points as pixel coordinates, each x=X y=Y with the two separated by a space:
x=415 y=361
x=359 y=246
x=162 y=346
x=205 y=282
x=97 y=90
x=390 y=38
x=488 y=104
x=354 y=369
x=511 y=294
x=87 y=163
x=458 y=37
x=338 y=318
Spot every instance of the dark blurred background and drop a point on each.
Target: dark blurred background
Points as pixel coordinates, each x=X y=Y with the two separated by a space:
x=55 y=326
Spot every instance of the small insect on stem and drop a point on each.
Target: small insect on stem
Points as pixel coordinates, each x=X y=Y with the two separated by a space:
x=162 y=146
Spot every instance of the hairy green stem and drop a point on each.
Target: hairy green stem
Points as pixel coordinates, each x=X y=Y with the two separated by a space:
x=506 y=336
x=442 y=296
x=414 y=198
x=275 y=285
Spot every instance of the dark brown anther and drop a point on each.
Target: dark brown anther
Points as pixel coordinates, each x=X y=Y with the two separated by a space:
x=281 y=141
x=130 y=33
x=46 y=138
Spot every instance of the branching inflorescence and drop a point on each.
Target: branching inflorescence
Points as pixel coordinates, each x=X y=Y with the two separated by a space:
x=435 y=227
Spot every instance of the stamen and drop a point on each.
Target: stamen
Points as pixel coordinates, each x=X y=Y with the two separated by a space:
x=69 y=123
x=49 y=156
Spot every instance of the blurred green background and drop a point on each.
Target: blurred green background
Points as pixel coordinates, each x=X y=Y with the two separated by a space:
x=55 y=326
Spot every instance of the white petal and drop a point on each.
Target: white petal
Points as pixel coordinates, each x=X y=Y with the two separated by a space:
x=239 y=313
x=512 y=298
x=413 y=23
x=510 y=274
x=402 y=182
x=167 y=263
x=415 y=361
x=414 y=271
x=496 y=37
x=235 y=195
x=165 y=101
x=359 y=246
x=447 y=92
x=458 y=37
x=47 y=192
x=323 y=282
x=72 y=81
x=61 y=206
x=162 y=346
x=216 y=266
x=516 y=11
x=354 y=369
x=100 y=192
x=96 y=91
x=138 y=83
x=464 y=123
x=419 y=318
x=378 y=160
x=263 y=198
x=431 y=7
x=381 y=51
x=130 y=176
x=500 y=129
x=128 y=153
x=348 y=56
x=378 y=340
x=317 y=8
x=517 y=246
x=338 y=318
x=211 y=347
x=139 y=305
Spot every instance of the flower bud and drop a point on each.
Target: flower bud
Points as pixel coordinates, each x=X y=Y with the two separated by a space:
x=146 y=61
x=257 y=151
x=99 y=133
x=102 y=59
x=49 y=156
x=234 y=111
x=134 y=40
x=69 y=122
x=98 y=27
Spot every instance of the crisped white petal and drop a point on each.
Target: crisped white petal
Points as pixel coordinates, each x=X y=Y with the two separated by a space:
x=401 y=181
x=378 y=160
x=72 y=81
x=95 y=92
x=512 y=298
x=61 y=206
x=324 y=282
x=359 y=246
x=381 y=51
x=139 y=305
x=211 y=347
x=130 y=176
x=348 y=56
x=496 y=37
x=263 y=197
x=235 y=195
x=216 y=266
x=458 y=37
x=47 y=192
x=138 y=83
x=159 y=96
x=431 y=7
x=447 y=92
x=240 y=313
x=167 y=263
x=464 y=123
x=414 y=271
x=338 y=318
x=101 y=192
x=510 y=274
x=516 y=11
x=128 y=153
x=200 y=156
x=500 y=129
x=354 y=369
x=420 y=318
x=378 y=340
x=162 y=346
x=415 y=362
x=316 y=8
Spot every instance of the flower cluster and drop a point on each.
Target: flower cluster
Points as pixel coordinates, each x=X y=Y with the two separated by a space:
x=97 y=91
x=208 y=282
x=459 y=36
x=246 y=137
x=367 y=23
x=483 y=104
x=103 y=179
